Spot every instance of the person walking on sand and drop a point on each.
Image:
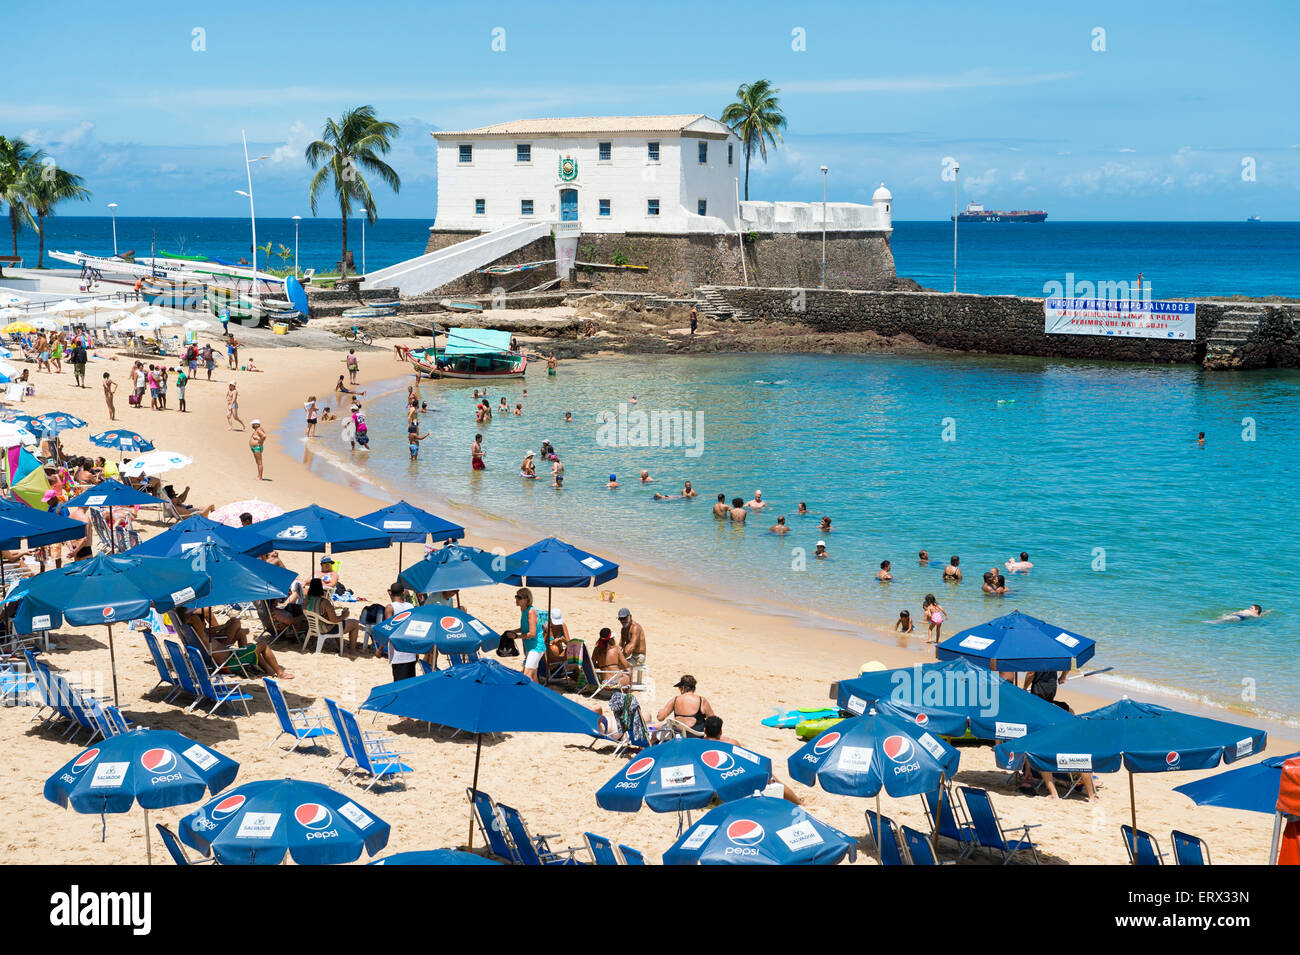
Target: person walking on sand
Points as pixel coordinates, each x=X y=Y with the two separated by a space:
x=256 y=442
x=110 y=386
x=232 y=408
x=79 y=363
x=353 y=368
x=182 y=379
x=209 y=359
x=232 y=352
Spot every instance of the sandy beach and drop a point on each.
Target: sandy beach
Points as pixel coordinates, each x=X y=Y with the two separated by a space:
x=748 y=664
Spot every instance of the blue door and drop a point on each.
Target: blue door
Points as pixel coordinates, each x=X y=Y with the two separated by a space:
x=568 y=205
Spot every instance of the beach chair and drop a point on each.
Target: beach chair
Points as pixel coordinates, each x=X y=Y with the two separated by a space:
x=601 y=849
x=1143 y=845
x=120 y=723
x=425 y=669
x=297 y=722
x=1189 y=850
x=273 y=633
x=214 y=689
x=102 y=726
x=884 y=835
x=102 y=532
x=307 y=275
x=372 y=754
x=181 y=667
x=921 y=849
x=680 y=729
x=953 y=824
x=321 y=630
x=165 y=677
x=631 y=856
x=626 y=709
x=190 y=638
x=176 y=850
x=530 y=849
x=43 y=690
x=597 y=681
x=491 y=826
x=989 y=833
x=336 y=718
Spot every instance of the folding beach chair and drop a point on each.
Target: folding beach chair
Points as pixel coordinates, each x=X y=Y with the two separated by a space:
x=190 y=638
x=533 y=850
x=601 y=849
x=989 y=833
x=425 y=669
x=43 y=690
x=120 y=722
x=680 y=729
x=1189 y=849
x=885 y=836
x=921 y=849
x=626 y=709
x=953 y=824
x=264 y=617
x=597 y=681
x=490 y=825
x=631 y=856
x=181 y=667
x=165 y=677
x=176 y=850
x=214 y=688
x=102 y=532
x=336 y=718
x=1143 y=845
x=297 y=722
x=372 y=754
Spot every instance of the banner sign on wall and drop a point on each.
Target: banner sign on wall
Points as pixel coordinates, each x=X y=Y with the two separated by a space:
x=1127 y=317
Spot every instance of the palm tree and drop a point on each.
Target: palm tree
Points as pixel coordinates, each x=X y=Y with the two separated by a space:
x=45 y=186
x=756 y=118
x=347 y=147
x=15 y=158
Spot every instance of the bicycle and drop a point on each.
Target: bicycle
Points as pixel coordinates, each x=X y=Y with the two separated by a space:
x=357 y=335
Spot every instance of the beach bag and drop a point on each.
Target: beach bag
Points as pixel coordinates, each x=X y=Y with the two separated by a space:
x=134 y=400
x=507 y=647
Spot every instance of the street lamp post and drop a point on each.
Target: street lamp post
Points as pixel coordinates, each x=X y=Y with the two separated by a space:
x=112 y=210
x=956 y=169
x=296 y=220
x=252 y=214
x=363 y=240
x=824 y=171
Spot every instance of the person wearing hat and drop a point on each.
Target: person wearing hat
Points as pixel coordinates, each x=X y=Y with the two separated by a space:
x=329 y=574
x=820 y=552
x=556 y=634
x=687 y=707
x=631 y=639
x=256 y=442
x=527 y=468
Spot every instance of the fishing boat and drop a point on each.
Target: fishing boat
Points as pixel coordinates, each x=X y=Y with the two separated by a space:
x=460 y=306
x=241 y=308
x=170 y=293
x=214 y=271
x=371 y=310
x=470 y=353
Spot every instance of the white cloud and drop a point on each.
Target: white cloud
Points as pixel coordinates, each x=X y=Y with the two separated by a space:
x=293 y=148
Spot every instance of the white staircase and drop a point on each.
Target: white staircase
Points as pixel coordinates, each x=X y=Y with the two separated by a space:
x=434 y=269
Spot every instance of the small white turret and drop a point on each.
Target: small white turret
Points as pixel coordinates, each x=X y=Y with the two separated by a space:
x=883 y=200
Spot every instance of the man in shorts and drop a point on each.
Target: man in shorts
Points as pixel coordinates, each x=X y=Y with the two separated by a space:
x=631 y=638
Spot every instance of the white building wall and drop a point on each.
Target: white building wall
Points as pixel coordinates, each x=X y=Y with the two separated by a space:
x=628 y=179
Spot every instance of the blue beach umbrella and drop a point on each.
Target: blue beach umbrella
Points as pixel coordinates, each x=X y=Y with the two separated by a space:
x=685 y=774
x=113 y=493
x=53 y=423
x=436 y=627
x=482 y=697
x=553 y=563
x=953 y=695
x=105 y=590
x=1018 y=643
x=1252 y=788
x=407 y=524
x=257 y=823
x=760 y=830
x=1139 y=737
x=156 y=769
x=122 y=440
x=19 y=523
x=237 y=578
x=456 y=567
x=435 y=857
x=180 y=539
x=319 y=530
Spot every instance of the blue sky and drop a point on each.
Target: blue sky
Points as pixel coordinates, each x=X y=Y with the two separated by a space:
x=1156 y=126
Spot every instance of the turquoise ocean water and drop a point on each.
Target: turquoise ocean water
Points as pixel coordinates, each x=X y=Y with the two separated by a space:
x=1139 y=536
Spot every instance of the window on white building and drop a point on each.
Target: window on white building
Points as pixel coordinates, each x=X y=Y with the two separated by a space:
x=480 y=207
x=604 y=207
x=703 y=207
x=652 y=151
x=523 y=152
x=604 y=151
x=466 y=153
x=731 y=149
x=652 y=207
x=704 y=153
x=525 y=207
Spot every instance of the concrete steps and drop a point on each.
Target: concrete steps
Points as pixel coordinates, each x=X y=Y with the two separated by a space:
x=1224 y=346
x=713 y=304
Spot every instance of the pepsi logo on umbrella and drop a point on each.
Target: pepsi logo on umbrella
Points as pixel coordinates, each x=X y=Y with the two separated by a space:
x=745 y=832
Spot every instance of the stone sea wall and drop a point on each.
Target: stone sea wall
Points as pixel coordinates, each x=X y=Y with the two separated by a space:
x=1228 y=334
x=677 y=264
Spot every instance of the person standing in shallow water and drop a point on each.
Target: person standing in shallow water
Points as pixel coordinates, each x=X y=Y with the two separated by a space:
x=476 y=454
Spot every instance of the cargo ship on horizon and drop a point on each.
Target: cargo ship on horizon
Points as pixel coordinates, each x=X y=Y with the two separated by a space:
x=975 y=212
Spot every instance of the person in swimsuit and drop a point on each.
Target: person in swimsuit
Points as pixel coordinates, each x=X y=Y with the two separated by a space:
x=110 y=386
x=687 y=707
x=557 y=471
x=256 y=442
x=527 y=468
x=232 y=407
x=550 y=364
x=688 y=491
x=1254 y=610
x=883 y=575
x=904 y=622
x=825 y=527
x=779 y=527
x=820 y=552
x=476 y=454
x=613 y=482
x=934 y=618
x=953 y=571
x=1020 y=566
x=737 y=512
x=803 y=508
x=923 y=558
x=720 y=509
x=312 y=415
x=413 y=439
x=608 y=659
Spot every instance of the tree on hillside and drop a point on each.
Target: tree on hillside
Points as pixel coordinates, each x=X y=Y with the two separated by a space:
x=350 y=146
x=757 y=119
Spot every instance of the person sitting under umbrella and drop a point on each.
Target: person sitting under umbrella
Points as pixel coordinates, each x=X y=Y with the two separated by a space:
x=687 y=707
x=271 y=556
x=713 y=731
x=608 y=659
x=183 y=509
x=556 y=635
x=218 y=641
x=321 y=605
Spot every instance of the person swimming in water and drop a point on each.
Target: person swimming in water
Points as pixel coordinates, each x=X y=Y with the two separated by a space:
x=779 y=527
x=1254 y=610
x=738 y=512
x=646 y=478
x=613 y=481
x=820 y=553
x=757 y=503
x=720 y=509
x=1020 y=566
x=953 y=571
x=825 y=527
x=883 y=575
x=923 y=558
x=688 y=491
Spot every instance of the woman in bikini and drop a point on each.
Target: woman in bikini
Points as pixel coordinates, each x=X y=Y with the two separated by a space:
x=232 y=408
x=687 y=707
x=256 y=443
x=608 y=659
